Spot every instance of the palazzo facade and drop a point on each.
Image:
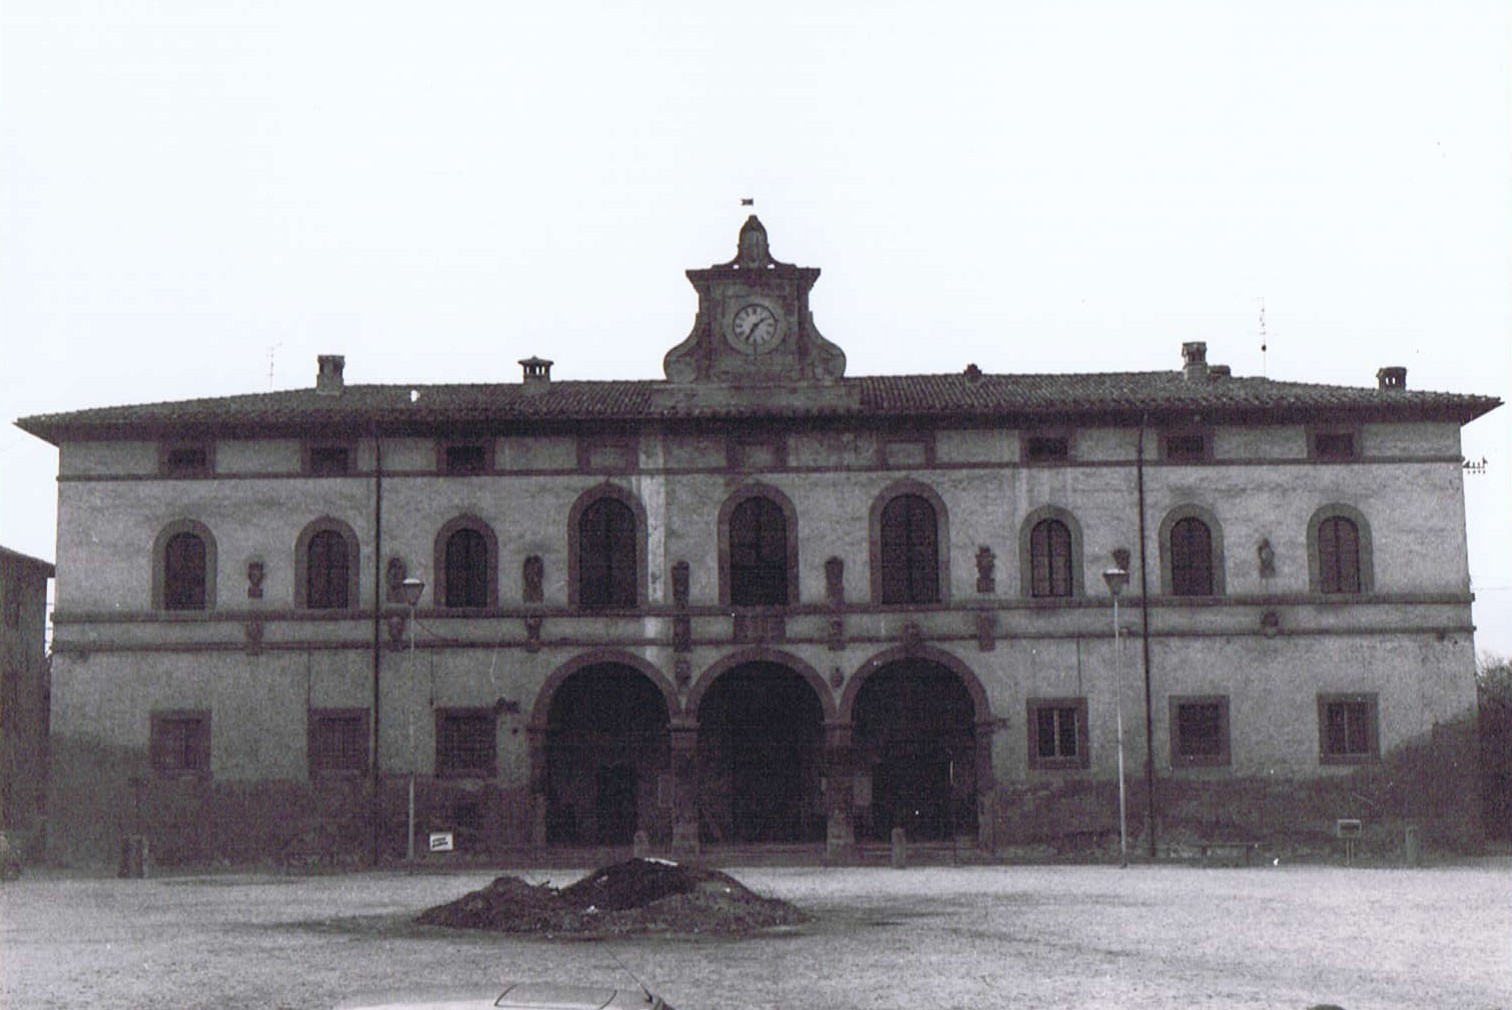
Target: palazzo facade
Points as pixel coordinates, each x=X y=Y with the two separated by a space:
x=760 y=601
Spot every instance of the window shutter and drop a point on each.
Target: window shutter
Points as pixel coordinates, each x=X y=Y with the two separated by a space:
x=1191 y=558
x=1338 y=555
x=622 y=556
x=184 y=573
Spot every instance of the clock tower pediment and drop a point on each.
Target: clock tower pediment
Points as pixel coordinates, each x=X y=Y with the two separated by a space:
x=753 y=325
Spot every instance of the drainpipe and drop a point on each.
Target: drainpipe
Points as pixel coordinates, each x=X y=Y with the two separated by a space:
x=377 y=794
x=1144 y=614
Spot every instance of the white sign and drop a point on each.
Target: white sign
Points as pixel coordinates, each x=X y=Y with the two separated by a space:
x=441 y=841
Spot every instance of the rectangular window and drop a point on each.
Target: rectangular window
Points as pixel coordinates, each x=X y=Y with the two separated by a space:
x=338 y=740
x=907 y=452
x=1184 y=447
x=1199 y=731
x=466 y=742
x=1347 y=729
x=1047 y=448
x=185 y=460
x=1333 y=444
x=461 y=459
x=180 y=742
x=757 y=453
x=329 y=460
x=615 y=454
x=1058 y=733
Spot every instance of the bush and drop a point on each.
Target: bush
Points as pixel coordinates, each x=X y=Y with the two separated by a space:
x=1493 y=679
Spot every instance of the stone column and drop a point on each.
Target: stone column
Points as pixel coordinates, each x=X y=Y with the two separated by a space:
x=839 y=776
x=685 y=789
x=986 y=784
x=536 y=747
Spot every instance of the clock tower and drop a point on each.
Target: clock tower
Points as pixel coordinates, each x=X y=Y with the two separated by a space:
x=753 y=326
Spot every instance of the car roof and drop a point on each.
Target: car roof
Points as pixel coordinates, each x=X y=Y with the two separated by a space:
x=514 y=996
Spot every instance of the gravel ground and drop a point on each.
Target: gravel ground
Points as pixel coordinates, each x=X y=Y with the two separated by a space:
x=928 y=937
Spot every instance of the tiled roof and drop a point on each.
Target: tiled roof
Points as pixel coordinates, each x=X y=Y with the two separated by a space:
x=16 y=557
x=396 y=408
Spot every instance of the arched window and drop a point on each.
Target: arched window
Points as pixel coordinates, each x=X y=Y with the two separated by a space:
x=758 y=531
x=466 y=569
x=327 y=569
x=1191 y=558
x=1191 y=552
x=607 y=563
x=183 y=567
x=1339 y=551
x=465 y=561
x=184 y=572
x=1338 y=555
x=325 y=566
x=1051 y=559
x=1050 y=554
x=910 y=551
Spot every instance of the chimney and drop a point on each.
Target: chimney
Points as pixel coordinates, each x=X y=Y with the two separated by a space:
x=1220 y=372
x=536 y=370
x=1391 y=377
x=328 y=379
x=1194 y=361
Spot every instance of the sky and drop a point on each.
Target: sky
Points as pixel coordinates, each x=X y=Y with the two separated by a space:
x=199 y=197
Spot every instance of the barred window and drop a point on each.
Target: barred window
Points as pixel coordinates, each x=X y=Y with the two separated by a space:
x=338 y=740
x=180 y=743
x=186 y=461
x=464 y=459
x=1199 y=731
x=466 y=743
x=330 y=460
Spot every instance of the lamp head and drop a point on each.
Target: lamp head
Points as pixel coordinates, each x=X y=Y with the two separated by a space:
x=410 y=589
x=1116 y=578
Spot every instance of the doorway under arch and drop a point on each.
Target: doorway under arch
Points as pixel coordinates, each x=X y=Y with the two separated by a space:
x=915 y=734
x=760 y=742
x=607 y=745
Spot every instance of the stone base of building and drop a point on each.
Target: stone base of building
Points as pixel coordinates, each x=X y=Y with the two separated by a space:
x=1429 y=786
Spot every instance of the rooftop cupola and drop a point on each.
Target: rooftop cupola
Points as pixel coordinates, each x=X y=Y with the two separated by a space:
x=1392 y=377
x=1194 y=361
x=536 y=370
x=328 y=378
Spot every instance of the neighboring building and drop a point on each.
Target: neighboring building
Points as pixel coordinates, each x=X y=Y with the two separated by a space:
x=760 y=601
x=23 y=694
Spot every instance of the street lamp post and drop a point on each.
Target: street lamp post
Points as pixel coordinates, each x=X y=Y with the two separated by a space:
x=411 y=588
x=1117 y=578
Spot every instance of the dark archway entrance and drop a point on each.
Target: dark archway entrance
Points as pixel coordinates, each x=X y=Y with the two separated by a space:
x=760 y=731
x=606 y=748
x=915 y=736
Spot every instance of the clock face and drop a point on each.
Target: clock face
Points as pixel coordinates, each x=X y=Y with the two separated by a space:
x=755 y=329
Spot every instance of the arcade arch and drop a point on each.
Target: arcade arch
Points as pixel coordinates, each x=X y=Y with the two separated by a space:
x=759 y=754
x=606 y=751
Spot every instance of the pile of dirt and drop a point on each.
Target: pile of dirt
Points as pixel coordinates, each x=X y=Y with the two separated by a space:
x=636 y=896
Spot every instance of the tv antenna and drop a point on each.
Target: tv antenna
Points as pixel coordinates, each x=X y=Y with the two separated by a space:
x=1264 y=371
x=272 y=348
